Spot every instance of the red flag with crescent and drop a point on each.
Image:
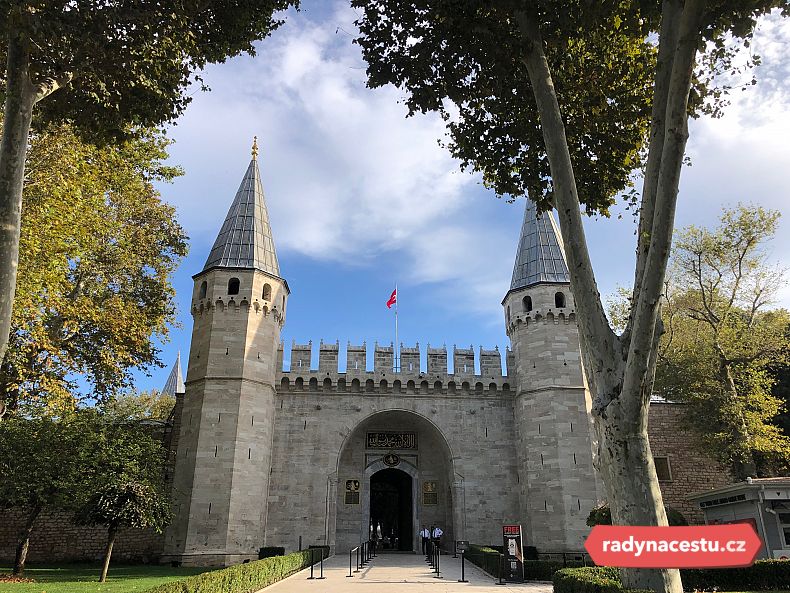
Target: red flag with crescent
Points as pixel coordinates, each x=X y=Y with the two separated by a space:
x=393 y=299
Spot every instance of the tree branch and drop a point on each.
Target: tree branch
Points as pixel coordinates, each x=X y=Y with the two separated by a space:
x=49 y=85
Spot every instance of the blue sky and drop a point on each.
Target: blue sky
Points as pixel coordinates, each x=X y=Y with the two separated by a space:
x=360 y=197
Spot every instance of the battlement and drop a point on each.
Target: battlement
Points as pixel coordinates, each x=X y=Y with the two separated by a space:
x=464 y=362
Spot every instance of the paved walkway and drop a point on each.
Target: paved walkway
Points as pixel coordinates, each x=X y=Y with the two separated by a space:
x=396 y=573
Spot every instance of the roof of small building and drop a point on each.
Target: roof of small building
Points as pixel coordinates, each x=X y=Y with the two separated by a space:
x=781 y=482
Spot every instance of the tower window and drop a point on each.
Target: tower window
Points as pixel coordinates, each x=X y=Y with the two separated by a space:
x=203 y=290
x=559 y=300
x=663 y=469
x=233 y=286
x=267 y=292
x=527 y=302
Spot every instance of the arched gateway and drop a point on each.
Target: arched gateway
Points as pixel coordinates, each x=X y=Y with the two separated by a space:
x=395 y=474
x=316 y=455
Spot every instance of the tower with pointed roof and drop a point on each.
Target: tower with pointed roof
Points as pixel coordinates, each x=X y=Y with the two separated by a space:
x=557 y=481
x=223 y=464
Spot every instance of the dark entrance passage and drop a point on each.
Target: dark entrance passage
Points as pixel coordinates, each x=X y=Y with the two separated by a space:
x=391 y=509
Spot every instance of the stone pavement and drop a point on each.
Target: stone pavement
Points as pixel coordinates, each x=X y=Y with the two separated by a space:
x=398 y=573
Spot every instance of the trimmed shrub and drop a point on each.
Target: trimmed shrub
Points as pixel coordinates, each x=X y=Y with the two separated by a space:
x=241 y=578
x=760 y=576
x=603 y=579
x=602 y=515
x=763 y=575
x=543 y=570
x=269 y=551
x=484 y=557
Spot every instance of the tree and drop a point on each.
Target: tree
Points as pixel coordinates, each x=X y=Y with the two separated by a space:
x=126 y=485
x=104 y=67
x=559 y=101
x=140 y=405
x=722 y=340
x=99 y=249
x=42 y=464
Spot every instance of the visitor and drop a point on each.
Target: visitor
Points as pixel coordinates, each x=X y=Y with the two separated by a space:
x=425 y=535
x=436 y=535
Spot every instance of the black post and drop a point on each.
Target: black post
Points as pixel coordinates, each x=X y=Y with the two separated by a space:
x=322 y=565
x=438 y=572
x=501 y=567
x=350 y=554
x=312 y=564
x=357 y=549
x=300 y=543
x=463 y=574
x=430 y=560
x=564 y=561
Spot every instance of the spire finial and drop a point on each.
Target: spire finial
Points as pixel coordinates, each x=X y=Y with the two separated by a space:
x=255 y=148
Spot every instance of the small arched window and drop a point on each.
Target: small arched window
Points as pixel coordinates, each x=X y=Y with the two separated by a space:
x=527 y=302
x=233 y=286
x=559 y=300
x=203 y=290
x=267 y=292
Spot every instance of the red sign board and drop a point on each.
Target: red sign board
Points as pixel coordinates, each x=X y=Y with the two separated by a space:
x=701 y=546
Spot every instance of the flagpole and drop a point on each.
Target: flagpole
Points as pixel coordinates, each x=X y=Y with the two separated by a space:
x=397 y=344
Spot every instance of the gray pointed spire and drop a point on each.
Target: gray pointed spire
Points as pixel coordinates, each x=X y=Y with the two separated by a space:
x=175 y=382
x=245 y=239
x=540 y=256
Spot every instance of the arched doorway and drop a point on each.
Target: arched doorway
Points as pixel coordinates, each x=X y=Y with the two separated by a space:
x=391 y=509
x=417 y=452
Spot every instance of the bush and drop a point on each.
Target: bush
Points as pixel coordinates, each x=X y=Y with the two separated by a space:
x=761 y=576
x=604 y=579
x=269 y=551
x=241 y=578
x=543 y=570
x=485 y=557
x=602 y=515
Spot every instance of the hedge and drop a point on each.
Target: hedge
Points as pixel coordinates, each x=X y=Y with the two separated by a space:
x=603 y=579
x=761 y=576
x=241 y=578
x=487 y=558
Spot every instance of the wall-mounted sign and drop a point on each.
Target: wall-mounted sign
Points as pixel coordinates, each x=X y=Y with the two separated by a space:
x=391 y=460
x=430 y=493
x=513 y=570
x=352 y=492
x=391 y=440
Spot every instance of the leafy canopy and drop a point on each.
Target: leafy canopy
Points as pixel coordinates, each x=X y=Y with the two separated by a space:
x=98 y=251
x=131 y=62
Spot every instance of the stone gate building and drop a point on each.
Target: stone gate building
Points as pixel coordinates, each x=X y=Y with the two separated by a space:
x=266 y=456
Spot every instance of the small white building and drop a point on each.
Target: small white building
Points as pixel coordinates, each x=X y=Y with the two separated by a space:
x=763 y=502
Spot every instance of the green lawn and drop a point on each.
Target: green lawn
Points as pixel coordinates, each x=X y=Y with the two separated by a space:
x=83 y=578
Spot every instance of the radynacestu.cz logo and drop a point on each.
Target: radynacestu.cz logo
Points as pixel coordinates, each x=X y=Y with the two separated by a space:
x=701 y=546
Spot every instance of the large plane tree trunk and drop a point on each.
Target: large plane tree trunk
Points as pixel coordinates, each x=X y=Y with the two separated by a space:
x=620 y=369
x=18 y=114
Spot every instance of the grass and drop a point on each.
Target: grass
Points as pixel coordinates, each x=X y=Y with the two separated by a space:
x=84 y=578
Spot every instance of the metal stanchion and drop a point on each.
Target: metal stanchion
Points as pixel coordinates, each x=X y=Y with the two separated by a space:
x=501 y=566
x=357 y=549
x=431 y=555
x=350 y=556
x=463 y=573
x=438 y=554
x=300 y=543
x=322 y=565
x=312 y=564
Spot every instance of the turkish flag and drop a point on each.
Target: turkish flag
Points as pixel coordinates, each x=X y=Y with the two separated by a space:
x=393 y=299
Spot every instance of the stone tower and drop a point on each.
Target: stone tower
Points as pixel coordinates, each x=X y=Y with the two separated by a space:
x=557 y=482
x=221 y=478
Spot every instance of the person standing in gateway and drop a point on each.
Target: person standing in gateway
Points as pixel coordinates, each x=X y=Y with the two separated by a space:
x=436 y=535
x=425 y=535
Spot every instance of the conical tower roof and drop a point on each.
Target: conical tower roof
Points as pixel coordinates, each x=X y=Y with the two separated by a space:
x=245 y=239
x=175 y=382
x=540 y=257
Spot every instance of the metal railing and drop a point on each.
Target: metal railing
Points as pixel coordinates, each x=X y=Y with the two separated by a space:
x=365 y=552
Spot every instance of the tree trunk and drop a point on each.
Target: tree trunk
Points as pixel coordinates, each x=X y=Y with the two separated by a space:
x=24 y=541
x=111 y=532
x=19 y=101
x=744 y=466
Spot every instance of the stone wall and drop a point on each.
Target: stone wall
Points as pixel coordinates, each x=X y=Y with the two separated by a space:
x=56 y=539
x=691 y=471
